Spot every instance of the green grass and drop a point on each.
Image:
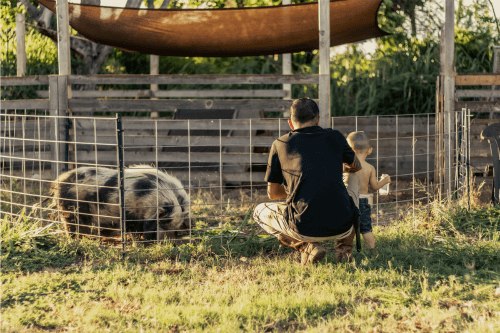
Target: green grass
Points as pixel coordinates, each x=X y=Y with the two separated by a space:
x=439 y=272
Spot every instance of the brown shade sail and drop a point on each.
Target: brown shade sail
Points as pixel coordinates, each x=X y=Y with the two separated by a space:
x=223 y=32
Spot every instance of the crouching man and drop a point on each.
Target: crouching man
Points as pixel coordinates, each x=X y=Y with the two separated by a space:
x=305 y=168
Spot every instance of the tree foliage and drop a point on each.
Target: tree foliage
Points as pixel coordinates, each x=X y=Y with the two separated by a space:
x=398 y=78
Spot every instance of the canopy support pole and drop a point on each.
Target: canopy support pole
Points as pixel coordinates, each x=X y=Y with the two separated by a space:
x=154 y=69
x=287 y=64
x=63 y=44
x=324 y=63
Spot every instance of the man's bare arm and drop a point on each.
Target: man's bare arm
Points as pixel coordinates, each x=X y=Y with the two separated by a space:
x=276 y=191
x=355 y=166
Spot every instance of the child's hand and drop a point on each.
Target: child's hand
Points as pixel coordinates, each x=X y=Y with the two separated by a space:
x=387 y=180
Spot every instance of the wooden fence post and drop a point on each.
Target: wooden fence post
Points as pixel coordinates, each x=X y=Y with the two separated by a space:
x=496 y=70
x=54 y=111
x=324 y=63
x=58 y=90
x=449 y=90
x=21 y=44
x=154 y=69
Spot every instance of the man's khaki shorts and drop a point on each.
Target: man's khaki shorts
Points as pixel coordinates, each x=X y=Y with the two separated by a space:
x=271 y=218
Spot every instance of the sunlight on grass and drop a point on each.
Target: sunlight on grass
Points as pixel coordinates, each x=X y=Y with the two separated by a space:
x=438 y=270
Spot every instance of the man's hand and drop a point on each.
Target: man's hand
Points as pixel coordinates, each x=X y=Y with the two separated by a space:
x=355 y=166
x=276 y=191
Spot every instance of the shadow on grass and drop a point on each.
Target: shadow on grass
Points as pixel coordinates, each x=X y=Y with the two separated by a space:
x=405 y=249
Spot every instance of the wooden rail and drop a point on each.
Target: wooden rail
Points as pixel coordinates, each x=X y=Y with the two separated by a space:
x=193 y=79
x=268 y=93
x=479 y=106
x=34 y=80
x=478 y=93
x=125 y=105
x=482 y=79
x=25 y=104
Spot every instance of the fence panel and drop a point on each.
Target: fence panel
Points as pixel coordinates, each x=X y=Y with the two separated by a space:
x=192 y=178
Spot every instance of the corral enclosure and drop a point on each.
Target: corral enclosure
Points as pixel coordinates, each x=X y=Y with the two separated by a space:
x=220 y=162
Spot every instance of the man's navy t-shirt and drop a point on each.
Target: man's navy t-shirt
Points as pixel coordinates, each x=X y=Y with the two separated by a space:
x=309 y=162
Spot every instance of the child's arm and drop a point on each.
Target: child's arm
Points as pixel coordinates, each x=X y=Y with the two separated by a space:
x=377 y=185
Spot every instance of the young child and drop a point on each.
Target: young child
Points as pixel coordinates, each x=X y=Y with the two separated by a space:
x=367 y=176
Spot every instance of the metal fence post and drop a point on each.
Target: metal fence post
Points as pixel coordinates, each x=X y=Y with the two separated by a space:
x=467 y=121
x=121 y=179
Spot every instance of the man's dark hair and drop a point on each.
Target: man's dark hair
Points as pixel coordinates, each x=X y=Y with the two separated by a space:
x=303 y=110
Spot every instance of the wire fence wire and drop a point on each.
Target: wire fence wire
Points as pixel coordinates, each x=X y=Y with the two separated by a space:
x=124 y=180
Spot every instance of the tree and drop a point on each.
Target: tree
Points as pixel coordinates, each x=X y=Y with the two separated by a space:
x=92 y=54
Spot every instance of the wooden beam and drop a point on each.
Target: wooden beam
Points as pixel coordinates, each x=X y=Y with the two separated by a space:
x=124 y=105
x=324 y=62
x=173 y=93
x=181 y=141
x=477 y=93
x=25 y=104
x=132 y=125
x=477 y=79
x=257 y=177
x=134 y=157
x=479 y=106
x=21 y=44
x=193 y=79
x=34 y=80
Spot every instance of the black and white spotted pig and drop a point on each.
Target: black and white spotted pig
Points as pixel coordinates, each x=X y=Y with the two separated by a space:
x=87 y=199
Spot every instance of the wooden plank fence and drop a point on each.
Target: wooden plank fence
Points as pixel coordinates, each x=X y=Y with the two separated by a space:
x=403 y=146
x=404 y=143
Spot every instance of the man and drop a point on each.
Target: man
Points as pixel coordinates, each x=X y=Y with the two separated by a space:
x=305 y=168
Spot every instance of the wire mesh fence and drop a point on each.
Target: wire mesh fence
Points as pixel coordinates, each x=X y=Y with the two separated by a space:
x=142 y=180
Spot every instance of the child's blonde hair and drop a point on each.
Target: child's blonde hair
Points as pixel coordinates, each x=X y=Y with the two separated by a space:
x=359 y=141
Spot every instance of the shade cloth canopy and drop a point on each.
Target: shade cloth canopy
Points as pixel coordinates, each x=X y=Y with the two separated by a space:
x=227 y=32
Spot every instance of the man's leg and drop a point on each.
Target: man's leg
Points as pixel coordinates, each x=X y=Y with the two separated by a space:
x=343 y=248
x=369 y=240
x=270 y=217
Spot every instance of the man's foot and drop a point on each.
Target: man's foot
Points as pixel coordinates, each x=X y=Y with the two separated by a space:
x=343 y=248
x=372 y=251
x=312 y=253
x=291 y=242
